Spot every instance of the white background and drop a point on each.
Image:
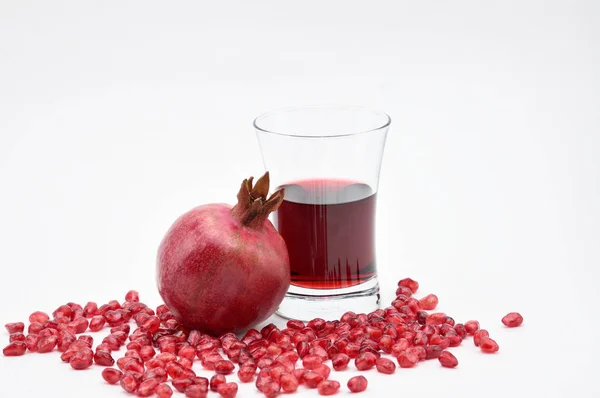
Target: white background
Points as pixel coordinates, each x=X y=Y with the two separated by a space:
x=117 y=116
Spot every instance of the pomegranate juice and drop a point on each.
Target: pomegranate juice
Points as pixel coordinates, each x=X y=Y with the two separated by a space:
x=329 y=229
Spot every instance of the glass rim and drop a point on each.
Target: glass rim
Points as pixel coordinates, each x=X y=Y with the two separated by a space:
x=387 y=120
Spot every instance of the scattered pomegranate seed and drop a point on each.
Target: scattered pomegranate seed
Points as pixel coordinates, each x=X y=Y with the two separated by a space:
x=407 y=359
x=312 y=379
x=216 y=380
x=512 y=320
x=246 y=374
x=436 y=319
x=340 y=361
x=471 y=327
x=227 y=390
x=103 y=358
x=182 y=384
x=409 y=283
x=147 y=387
x=224 y=367
x=328 y=387
x=132 y=296
x=479 y=335
x=164 y=391
x=82 y=359
x=196 y=391
x=429 y=302
x=112 y=375
x=405 y=329
x=14 y=349
x=385 y=365
x=365 y=361
x=15 y=327
x=288 y=382
x=357 y=384
x=97 y=322
x=39 y=317
x=447 y=359
x=489 y=346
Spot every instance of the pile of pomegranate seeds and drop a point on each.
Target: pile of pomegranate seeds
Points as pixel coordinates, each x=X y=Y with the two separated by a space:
x=159 y=349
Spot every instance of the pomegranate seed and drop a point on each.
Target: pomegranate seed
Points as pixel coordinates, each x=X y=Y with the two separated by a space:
x=128 y=383
x=82 y=359
x=299 y=374
x=288 y=382
x=112 y=375
x=216 y=380
x=403 y=293
x=97 y=322
x=385 y=365
x=196 y=391
x=224 y=367
x=365 y=361
x=436 y=319
x=323 y=370
x=186 y=363
x=39 y=317
x=62 y=311
x=271 y=389
x=90 y=309
x=227 y=390
x=16 y=337
x=31 y=342
x=409 y=283
x=312 y=379
x=35 y=328
x=340 y=361
x=246 y=373
x=132 y=296
x=447 y=359
x=158 y=373
x=357 y=384
x=479 y=336
x=14 y=349
x=328 y=387
x=512 y=320
x=182 y=384
x=311 y=361
x=295 y=324
x=489 y=346
x=123 y=328
x=15 y=327
x=188 y=352
x=147 y=352
x=103 y=358
x=164 y=391
x=147 y=387
x=433 y=351
x=471 y=327
x=429 y=302
x=47 y=344
x=407 y=359
x=419 y=351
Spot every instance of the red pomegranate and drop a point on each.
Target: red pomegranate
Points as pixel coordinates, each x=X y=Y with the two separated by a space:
x=222 y=269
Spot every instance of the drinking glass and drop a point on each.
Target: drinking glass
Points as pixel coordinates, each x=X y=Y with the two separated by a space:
x=328 y=160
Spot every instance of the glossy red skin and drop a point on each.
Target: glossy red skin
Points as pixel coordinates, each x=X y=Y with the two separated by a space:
x=217 y=275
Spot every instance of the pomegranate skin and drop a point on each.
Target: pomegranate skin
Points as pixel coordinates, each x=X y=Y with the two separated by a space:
x=218 y=275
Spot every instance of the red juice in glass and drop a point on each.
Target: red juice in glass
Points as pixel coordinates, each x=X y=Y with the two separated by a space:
x=329 y=230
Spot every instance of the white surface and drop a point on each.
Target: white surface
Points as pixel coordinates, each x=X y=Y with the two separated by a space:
x=115 y=117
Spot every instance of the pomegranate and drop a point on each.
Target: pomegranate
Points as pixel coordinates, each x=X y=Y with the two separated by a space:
x=223 y=269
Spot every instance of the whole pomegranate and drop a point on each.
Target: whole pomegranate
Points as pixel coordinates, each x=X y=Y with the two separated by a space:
x=222 y=269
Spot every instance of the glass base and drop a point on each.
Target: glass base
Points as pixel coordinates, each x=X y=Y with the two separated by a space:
x=330 y=304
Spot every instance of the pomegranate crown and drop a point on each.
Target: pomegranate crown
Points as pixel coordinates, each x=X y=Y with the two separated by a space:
x=253 y=207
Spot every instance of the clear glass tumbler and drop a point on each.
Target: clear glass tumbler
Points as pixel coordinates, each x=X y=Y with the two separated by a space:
x=328 y=160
